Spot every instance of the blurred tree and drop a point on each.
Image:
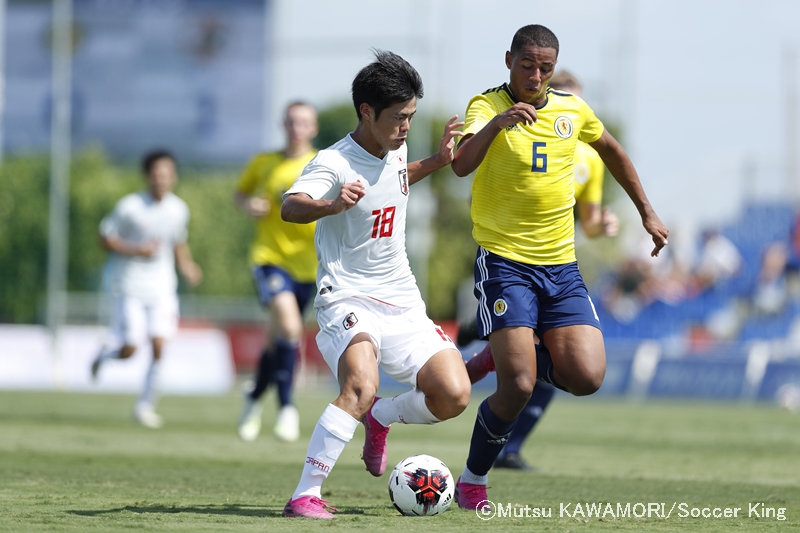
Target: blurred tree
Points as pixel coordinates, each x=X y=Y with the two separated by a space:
x=451 y=262
x=95 y=186
x=334 y=123
x=23 y=236
x=218 y=233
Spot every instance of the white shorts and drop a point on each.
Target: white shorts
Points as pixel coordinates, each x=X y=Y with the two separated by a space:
x=404 y=337
x=134 y=320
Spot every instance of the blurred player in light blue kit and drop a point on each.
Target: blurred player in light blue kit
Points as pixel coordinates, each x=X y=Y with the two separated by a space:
x=521 y=139
x=146 y=234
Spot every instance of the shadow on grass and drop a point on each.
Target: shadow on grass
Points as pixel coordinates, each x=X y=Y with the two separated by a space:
x=235 y=510
x=238 y=510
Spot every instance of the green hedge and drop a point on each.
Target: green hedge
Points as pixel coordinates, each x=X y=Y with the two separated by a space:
x=219 y=234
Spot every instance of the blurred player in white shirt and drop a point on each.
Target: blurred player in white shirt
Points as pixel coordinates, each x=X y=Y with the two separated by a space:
x=146 y=234
x=369 y=308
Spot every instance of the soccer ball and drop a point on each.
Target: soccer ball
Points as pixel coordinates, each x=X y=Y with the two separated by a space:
x=421 y=485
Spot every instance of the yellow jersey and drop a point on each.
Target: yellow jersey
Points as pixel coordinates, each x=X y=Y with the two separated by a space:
x=522 y=194
x=589 y=173
x=282 y=244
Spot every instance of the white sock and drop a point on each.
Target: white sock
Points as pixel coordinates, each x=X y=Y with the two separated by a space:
x=407 y=408
x=148 y=394
x=333 y=431
x=472 y=479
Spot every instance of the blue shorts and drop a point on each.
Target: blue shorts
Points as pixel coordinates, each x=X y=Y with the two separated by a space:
x=271 y=280
x=540 y=297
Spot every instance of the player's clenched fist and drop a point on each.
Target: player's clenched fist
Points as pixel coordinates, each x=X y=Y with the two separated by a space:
x=519 y=112
x=349 y=196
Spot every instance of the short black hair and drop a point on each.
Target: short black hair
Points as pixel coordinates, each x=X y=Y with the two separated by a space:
x=154 y=155
x=536 y=35
x=388 y=80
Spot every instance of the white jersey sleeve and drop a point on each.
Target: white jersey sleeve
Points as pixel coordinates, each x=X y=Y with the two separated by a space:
x=319 y=181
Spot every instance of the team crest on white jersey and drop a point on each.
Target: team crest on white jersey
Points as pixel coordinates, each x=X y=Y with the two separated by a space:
x=403 y=175
x=500 y=307
x=350 y=320
x=563 y=127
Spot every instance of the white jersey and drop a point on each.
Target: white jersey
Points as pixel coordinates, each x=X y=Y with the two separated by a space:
x=362 y=251
x=139 y=218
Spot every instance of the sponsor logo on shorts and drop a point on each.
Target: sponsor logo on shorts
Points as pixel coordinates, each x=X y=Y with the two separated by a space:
x=350 y=320
x=319 y=464
x=563 y=127
x=500 y=307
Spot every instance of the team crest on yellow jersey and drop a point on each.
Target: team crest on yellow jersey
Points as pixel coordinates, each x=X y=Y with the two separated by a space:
x=563 y=127
x=500 y=307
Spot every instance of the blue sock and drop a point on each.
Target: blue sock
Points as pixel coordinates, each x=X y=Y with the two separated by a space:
x=285 y=356
x=488 y=438
x=265 y=374
x=528 y=418
x=544 y=367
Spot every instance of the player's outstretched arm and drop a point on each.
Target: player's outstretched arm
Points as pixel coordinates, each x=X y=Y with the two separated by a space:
x=254 y=206
x=423 y=168
x=621 y=167
x=300 y=208
x=473 y=148
x=596 y=220
x=190 y=270
x=123 y=247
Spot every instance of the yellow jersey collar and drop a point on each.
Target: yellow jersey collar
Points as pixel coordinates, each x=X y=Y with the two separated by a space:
x=507 y=89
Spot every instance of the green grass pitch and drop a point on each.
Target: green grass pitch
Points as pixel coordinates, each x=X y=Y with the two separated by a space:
x=75 y=462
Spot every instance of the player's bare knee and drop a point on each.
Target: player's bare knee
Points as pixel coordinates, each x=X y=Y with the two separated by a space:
x=522 y=386
x=126 y=351
x=457 y=399
x=589 y=383
x=357 y=395
x=448 y=399
x=516 y=393
x=291 y=333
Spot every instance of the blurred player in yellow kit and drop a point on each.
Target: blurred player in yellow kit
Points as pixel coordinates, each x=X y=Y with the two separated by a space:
x=284 y=266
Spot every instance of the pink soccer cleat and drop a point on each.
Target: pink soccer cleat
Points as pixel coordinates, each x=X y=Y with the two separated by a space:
x=374 y=454
x=308 y=507
x=472 y=497
x=480 y=364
